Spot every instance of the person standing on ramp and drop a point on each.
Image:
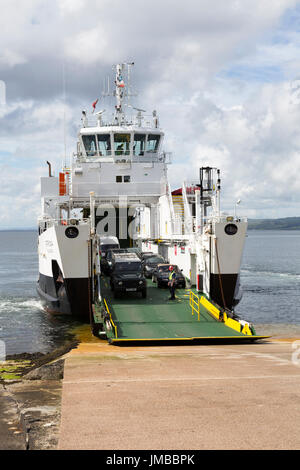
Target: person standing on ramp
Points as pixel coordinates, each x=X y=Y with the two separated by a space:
x=172 y=282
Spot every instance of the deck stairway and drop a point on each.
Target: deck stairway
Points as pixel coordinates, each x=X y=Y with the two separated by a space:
x=178 y=205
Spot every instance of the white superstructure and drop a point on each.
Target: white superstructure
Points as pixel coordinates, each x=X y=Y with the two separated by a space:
x=117 y=184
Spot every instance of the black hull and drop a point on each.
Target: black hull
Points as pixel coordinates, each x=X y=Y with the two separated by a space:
x=72 y=297
x=228 y=283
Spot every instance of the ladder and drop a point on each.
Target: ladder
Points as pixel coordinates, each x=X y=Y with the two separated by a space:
x=178 y=205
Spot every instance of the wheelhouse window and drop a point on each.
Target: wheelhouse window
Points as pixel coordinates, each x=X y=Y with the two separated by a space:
x=89 y=142
x=104 y=145
x=122 y=144
x=123 y=179
x=139 y=144
x=152 y=143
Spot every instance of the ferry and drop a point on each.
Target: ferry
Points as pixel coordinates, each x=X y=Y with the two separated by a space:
x=117 y=186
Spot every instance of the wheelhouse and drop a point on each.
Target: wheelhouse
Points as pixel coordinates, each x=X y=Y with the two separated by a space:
x=121 y=144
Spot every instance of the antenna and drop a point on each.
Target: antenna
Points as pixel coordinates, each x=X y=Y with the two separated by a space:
x=64 y=105
x=138 y=109
x=64 y=95
x=99 y=117
x=121 y=90
x=129 y=94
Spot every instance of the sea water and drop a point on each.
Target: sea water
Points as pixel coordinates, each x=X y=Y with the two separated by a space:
x=24 y=325
x=270 y=277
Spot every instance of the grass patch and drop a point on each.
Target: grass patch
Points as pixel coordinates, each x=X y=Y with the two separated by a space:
x=6 y=376
x=13 y=370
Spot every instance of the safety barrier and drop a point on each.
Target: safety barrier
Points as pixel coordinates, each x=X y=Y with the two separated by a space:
x=110 y=318
x=195 y=304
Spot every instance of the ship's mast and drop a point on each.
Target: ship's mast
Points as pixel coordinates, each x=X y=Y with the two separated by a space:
x=121 y=90
x=120 y=85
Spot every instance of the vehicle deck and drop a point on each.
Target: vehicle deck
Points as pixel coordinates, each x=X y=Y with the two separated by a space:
x=158 y=319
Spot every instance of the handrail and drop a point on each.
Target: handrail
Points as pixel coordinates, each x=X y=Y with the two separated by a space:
x=130 y=120
x=239 y=326
x=49 y=222
x=125 y=157
x=195 y=301
x=111 y=320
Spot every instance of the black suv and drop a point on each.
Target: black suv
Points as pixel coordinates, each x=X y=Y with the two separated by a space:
x=127 y=274
x=106 y=263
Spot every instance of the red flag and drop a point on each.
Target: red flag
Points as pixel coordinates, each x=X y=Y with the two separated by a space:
x=95 y=104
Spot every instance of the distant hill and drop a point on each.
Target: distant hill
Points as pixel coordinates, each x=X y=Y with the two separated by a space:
x=288 y=223
x=16 y=229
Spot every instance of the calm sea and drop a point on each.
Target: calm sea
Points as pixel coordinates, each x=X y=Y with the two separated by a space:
x=24 y=326
x=270 y=277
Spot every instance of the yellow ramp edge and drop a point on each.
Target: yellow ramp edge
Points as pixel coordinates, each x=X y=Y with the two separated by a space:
x=230 y=322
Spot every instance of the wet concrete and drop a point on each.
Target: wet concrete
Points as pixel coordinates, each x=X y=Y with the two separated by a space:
x=30 y=399
x=12 y=436
x=39 y=409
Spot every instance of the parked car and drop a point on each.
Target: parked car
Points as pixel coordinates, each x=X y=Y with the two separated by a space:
x=106 y=262
x=162 y=272
x=107 y=243
x=127 y=274
x=146 y=254
x=151 y=263
x=135 y=249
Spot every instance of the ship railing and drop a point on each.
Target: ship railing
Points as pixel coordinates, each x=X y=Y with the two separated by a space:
x=124 y=156
x=191 y=186
x=110 y=319
x=128 y=120
x=195 y=303
x=145 y=157
x=225 y=219
x=45 y=223
x=184 y=225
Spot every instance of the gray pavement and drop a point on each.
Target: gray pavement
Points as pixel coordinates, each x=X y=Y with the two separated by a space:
x=12 y=436
x=233 y=396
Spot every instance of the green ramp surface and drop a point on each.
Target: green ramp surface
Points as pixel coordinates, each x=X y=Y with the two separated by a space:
x=157 y=318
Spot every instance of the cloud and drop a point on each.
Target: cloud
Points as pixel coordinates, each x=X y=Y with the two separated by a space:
x=220 y=74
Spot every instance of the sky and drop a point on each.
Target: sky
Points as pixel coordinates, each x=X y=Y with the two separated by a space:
x=224 y=78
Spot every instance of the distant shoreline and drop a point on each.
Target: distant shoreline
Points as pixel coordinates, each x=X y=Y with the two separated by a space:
x=282 y=229
x=17 y=230
x=287 y=223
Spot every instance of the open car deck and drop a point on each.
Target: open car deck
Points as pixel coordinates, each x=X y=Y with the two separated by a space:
x=156 y=318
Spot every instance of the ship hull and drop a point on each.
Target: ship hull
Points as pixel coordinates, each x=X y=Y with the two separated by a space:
x=222 y=289
x=64 y=283
x=71 y=298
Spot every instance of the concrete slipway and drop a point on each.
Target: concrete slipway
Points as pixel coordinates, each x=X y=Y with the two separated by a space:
x=200 y=396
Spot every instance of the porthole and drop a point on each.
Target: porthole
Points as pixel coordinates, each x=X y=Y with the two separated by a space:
x=72 y=232
x=231 y=229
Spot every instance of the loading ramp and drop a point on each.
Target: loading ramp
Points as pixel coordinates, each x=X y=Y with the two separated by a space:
x=190 y=317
